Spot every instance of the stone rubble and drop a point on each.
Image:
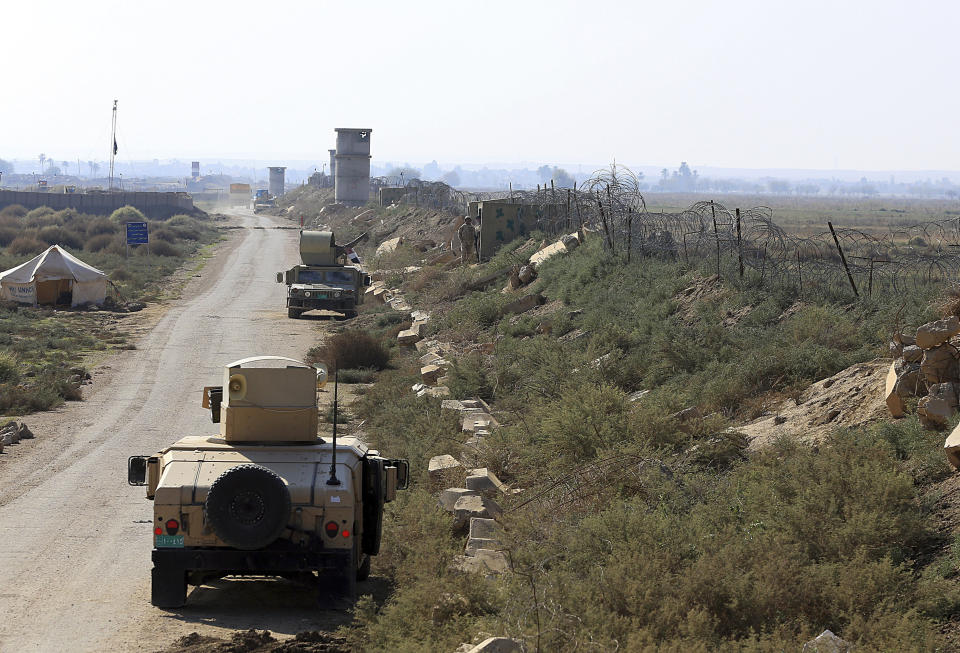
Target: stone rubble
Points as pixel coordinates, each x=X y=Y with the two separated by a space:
x=13 y=432
x=473 y=507
x=936 y=333
x=389 y=246
x=927 y=367
x=497 y=645
x=827 y=642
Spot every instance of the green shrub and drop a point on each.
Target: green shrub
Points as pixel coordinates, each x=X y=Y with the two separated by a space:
x=8 y=235
x=13 y=211
x=181 y=220
x=159 y=248
x=127 y=214
x=361 y=375
x=98 y=243
x=24 y=246
x=9 y=368
x=54 y=235
x=350 y=349
x=162 y=234
x=101 y=226
x=41 y=216
x=467 y=378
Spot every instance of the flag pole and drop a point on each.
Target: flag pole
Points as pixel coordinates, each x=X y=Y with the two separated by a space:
x=113 y=141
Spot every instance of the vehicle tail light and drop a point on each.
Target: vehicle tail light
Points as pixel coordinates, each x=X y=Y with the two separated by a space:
x=332 y=528
x=346 y=533
x=158 y=531
x=172 y=526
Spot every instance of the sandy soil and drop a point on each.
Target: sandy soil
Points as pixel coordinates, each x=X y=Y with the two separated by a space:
x=851 y=398
x=75 y=538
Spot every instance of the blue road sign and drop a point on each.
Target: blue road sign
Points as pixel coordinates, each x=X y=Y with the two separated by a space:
x=137 y=233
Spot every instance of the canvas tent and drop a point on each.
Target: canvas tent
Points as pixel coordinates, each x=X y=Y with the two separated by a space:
x=54 y=277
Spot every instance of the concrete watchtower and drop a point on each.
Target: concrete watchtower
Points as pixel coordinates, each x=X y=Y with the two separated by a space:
x=352 y=173
x=277 y=182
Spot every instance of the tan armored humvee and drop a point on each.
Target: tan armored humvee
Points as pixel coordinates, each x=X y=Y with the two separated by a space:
x=328 y=278
x=265 y=496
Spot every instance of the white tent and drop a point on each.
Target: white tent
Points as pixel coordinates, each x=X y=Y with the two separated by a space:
x=52 y=276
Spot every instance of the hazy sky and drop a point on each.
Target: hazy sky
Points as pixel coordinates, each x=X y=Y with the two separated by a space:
x=869 y=85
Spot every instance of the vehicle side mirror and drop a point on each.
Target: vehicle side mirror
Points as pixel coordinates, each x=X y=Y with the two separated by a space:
x=403 y=473
x=137 y=470
x=279 y=277
x=366 y=280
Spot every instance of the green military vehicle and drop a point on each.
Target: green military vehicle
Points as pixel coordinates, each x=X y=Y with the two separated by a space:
x=330 y=277
x=265 y=496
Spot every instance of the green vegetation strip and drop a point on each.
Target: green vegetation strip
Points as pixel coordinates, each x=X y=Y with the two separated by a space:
x=43 y=352
x=635 y=532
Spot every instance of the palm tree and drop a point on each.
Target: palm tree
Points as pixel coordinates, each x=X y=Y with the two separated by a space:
x=42 y=157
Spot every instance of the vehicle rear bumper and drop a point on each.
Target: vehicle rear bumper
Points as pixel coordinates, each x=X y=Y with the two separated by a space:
x=250 y=562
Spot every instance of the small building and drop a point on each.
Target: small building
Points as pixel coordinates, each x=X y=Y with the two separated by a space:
x=391 y=194
x=54 y=277
x=501 y=221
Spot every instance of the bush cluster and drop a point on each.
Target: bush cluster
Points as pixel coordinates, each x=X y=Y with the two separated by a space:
x=350 y=349
x=100 y=241
x=24 y=232
x=638 y=533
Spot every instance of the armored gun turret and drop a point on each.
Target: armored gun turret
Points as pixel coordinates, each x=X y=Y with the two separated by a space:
x=265 y=495
x=330 y=277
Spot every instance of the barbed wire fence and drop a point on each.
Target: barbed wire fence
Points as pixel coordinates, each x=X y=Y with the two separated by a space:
x=749 y=247
x=428 y=194
x=743 y=246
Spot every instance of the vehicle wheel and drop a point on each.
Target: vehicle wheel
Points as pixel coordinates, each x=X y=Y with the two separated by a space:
x=294 y=313
x=248 y=506
x=168 y=588
x=363 y=572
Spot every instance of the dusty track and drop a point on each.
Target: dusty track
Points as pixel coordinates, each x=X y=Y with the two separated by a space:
x=75 y=538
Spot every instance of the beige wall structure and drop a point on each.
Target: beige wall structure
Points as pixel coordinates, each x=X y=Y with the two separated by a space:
x=501 y=221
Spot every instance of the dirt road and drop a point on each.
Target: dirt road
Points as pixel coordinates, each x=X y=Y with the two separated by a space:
x=75 y=539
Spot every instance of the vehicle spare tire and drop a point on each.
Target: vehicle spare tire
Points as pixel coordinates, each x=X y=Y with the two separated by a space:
x=248 y=506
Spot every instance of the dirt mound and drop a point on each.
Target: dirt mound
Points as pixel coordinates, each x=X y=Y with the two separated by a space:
x=852 y=397
x=260 y=641
x=701 y=290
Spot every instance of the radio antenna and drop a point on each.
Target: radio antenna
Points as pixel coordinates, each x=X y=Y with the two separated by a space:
x=333 y=480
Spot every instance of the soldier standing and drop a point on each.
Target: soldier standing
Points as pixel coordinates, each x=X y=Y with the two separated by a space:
x=468 y=243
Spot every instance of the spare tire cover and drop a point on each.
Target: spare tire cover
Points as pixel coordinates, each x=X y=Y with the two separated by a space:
x=248 y=506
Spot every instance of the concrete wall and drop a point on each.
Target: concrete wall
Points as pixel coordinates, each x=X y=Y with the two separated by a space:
x=333 y=163
x=352 y=176
x=277 y=181
x=153 y=205
x=501 y=221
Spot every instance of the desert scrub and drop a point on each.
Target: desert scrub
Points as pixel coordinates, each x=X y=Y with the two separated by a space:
x=42 y=352
x=352 y=349
x=636 y=532
x=99 y=241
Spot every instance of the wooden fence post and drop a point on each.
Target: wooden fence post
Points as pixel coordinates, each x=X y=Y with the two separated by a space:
x=716 y=234
x=843 y=259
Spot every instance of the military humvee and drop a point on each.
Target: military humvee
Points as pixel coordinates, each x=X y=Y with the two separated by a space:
x=265 y=496
x=325 y=280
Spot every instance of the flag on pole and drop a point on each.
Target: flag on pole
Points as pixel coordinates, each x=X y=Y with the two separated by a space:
x=352 y=255
x=114 y=147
